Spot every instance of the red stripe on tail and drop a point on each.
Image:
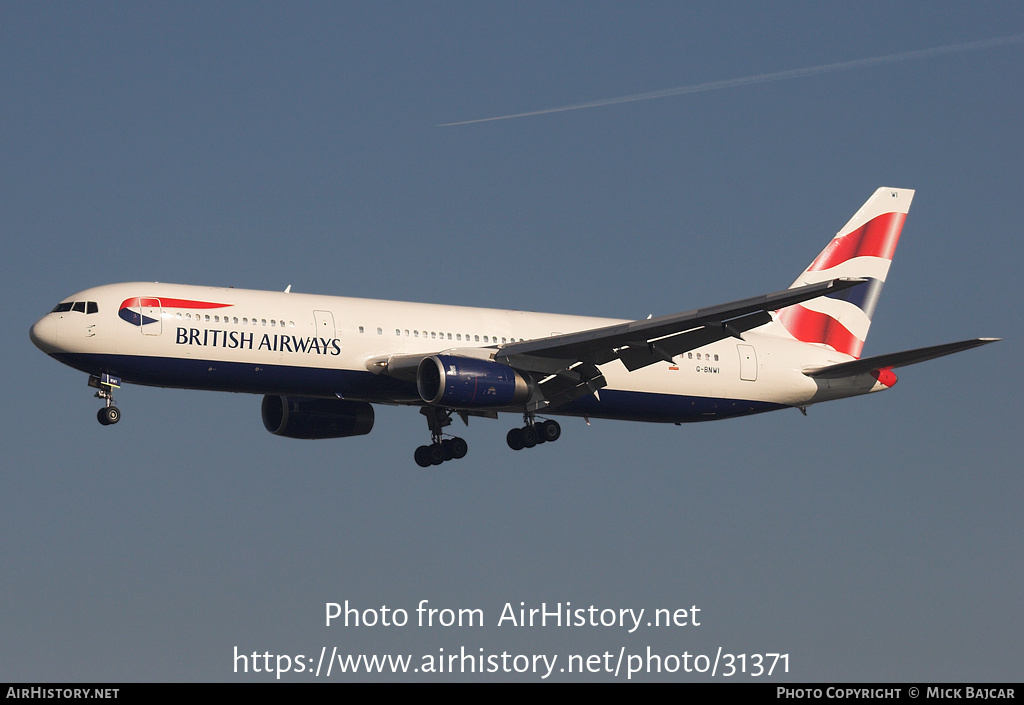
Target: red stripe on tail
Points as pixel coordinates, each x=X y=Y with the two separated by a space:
x=814 y=327
x=876 y=238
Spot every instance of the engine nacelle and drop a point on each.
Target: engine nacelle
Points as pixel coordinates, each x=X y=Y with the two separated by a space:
x=309 y=417
x=469 y=383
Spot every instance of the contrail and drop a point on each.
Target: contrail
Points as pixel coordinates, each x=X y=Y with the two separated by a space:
x=766 y=77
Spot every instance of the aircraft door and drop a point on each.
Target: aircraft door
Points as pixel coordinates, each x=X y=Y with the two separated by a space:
x=325 y=324
x=151 y=316
x=748 y=362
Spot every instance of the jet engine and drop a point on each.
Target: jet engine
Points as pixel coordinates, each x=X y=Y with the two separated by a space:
x=469 y=383
x=310 y=417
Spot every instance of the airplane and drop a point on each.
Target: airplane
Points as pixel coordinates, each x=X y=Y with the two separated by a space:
x=321 y=362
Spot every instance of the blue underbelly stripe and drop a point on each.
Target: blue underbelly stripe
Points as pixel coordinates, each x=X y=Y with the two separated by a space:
x=359 y=385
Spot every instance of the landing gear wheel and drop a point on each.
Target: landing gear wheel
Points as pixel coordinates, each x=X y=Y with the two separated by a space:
x=435 y=451
x=422 y=456
x=108 y=415
x=515 y=439
x=459 y=448
x=549 y=430
x=529 y=436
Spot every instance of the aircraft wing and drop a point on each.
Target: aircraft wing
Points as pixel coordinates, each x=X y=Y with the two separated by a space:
x=896 y=359
x=645 y=342
x=568 y=364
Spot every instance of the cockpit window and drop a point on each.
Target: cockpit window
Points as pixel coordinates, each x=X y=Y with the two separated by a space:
x=79 y=306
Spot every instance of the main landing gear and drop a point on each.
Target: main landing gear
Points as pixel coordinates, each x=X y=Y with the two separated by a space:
x=109 y=414
x=440 y=449
x=533 y=433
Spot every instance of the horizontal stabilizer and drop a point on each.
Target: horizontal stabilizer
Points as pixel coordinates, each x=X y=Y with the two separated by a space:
x=896 y=359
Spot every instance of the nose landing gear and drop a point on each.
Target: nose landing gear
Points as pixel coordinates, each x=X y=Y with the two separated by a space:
x=105 y=385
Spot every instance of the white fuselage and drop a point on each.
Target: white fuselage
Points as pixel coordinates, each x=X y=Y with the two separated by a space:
x=304 y=345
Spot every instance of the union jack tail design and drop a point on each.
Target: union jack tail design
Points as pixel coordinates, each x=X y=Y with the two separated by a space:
x=864 y=249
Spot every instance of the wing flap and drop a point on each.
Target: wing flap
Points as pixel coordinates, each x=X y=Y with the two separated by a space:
x=638 y=355
x=568 y=386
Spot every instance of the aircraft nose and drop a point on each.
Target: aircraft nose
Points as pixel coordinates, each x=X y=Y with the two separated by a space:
x=44 y=334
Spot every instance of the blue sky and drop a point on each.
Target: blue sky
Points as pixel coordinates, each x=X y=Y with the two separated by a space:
x=260 y=145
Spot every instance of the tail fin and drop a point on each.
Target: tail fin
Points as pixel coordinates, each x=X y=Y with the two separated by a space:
x=864 y=249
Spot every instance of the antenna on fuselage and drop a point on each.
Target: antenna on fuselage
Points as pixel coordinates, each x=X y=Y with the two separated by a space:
x=288 y=289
